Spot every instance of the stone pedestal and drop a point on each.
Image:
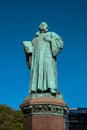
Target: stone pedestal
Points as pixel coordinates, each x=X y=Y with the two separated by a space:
x=44 y=112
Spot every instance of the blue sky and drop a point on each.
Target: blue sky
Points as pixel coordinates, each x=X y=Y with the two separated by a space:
x=19 y=20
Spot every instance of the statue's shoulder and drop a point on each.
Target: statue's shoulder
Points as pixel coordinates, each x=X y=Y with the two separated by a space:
x=54 y=35
x=37 y=34
x=35 y=37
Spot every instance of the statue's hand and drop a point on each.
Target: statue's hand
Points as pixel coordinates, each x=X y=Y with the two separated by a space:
x=47 y=38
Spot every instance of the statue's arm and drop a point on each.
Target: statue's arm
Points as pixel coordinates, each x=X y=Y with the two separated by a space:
x=56 y=43
x=55 y=37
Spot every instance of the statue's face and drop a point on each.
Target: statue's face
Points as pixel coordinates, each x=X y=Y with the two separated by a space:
x=43 y=27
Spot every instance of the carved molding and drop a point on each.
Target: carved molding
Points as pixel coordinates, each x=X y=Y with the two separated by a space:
x=44 y=109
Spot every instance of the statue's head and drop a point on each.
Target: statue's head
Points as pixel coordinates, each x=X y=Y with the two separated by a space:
x=43 y=27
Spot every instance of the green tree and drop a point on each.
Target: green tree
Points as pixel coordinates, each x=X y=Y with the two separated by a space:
x=10 y=119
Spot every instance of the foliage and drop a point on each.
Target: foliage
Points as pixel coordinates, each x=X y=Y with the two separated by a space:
x=10 y=119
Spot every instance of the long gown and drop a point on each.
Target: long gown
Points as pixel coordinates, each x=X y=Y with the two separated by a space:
x=43 y=66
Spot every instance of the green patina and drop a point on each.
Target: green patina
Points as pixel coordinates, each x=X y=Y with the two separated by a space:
x=41 y=55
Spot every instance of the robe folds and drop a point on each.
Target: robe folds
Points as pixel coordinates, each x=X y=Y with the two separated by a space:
x=45 y=47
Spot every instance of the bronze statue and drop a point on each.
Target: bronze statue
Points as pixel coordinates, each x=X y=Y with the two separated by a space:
x=41 y=55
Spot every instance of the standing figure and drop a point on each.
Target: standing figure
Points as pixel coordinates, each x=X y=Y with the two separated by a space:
x=41 y=55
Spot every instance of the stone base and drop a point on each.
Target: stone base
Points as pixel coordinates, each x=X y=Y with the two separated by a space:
x=44 y=112
x=43 y=122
